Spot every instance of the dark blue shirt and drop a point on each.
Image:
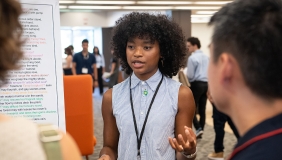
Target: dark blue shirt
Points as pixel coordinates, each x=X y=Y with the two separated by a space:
x=84 y=62
x=268 y=148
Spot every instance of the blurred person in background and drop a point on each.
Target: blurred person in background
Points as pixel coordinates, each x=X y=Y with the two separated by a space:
x=197 y=67
x=84 y=62
x=68 y=61
x=245 y=74
x=72 y=49
x=114 y=67
x=100 y=64
x=19 y=138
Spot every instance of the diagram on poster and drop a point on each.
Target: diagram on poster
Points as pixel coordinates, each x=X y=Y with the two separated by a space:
x=36 y=90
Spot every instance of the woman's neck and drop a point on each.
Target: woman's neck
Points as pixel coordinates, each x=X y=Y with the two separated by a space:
x=146 y=76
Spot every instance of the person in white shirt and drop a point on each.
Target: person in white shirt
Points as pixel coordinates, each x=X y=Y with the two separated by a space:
x=197 y=75
x=100 y=65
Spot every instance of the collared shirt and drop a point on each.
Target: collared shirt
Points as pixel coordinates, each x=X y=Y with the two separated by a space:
x=84 y=62
x=197 y=67
x=100 y=62
x=269 y=148
x=161 y=121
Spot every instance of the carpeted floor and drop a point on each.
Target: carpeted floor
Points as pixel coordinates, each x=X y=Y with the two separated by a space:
x=205 y=146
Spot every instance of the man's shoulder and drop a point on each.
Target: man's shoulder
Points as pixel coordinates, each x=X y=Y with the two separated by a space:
x=268 y=140
x=269 y=148
x=77 y=54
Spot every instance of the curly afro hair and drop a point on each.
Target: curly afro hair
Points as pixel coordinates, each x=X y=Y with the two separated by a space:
x=157 y=28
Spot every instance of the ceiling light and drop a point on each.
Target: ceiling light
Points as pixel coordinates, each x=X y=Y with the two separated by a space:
x=206 y=12
x=61 y=7
x=106 y=2
x=95 y=7
x=164 y=2
x=196 y=8
x=66 y=2
x=147 y=7
x=213 y=2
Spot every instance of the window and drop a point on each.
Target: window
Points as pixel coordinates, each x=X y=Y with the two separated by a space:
x=74 y=36
x=66 y=40
x=79 y=35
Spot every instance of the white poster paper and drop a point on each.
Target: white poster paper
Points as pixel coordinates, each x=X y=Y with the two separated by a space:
x=36 y=90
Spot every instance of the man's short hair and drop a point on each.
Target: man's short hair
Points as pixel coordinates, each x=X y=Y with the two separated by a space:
x=251 y=31
x=194 y=41
x=85 y=41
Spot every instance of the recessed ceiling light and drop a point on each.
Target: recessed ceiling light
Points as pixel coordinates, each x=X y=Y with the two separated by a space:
x=106 y=2
x=212 y=2
x=147 y=7
x=196 y=7
x=95 y=7
x=164 y=2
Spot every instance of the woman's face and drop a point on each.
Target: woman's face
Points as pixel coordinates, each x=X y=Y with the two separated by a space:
x=143 y=57
x=66 y=51
x=96 y=50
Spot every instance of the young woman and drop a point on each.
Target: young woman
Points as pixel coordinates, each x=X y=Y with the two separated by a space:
x=68 y=61
x=148 y=116
x=100 y=65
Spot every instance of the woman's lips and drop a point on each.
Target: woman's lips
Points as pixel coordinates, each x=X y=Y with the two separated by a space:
x=138 y=64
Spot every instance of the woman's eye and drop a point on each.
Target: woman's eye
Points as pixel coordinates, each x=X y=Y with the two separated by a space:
x=130 y=47
x=147 y=48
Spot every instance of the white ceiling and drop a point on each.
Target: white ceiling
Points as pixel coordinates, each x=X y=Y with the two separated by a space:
x=201 y=9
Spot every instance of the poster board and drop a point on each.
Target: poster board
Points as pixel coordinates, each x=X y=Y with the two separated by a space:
x=36 y=90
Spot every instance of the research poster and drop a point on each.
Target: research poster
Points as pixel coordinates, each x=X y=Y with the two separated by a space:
x=35 y=91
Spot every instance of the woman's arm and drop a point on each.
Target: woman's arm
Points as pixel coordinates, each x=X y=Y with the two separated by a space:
x=185 y=139
x=111 y=133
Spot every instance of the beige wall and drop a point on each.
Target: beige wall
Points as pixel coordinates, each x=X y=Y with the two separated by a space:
x=77 y=19
x=203 y=32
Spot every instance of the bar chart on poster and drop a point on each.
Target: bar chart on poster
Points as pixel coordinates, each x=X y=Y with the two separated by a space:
x=35 y=91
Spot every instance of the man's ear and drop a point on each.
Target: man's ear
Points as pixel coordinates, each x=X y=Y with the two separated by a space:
x=228 y=70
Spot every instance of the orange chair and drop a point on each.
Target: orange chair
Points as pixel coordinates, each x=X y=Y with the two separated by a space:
x=79 y=112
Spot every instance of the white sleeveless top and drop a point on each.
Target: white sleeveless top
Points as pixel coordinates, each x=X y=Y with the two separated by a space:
x=161 y=121
x=19 y=140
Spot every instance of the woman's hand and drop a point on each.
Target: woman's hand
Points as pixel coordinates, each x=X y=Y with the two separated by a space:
x=188 y=147
x=105 y=157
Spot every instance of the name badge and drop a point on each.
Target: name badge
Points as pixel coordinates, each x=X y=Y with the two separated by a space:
x=84 y=70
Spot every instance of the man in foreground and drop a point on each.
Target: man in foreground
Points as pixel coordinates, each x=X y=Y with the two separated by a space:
x=245 y=74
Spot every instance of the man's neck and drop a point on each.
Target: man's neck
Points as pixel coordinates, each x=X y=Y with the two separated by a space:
x=257 y=109
x=84 y=52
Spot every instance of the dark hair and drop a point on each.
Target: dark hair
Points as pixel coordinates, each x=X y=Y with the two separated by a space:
x=194 y=41
x=10 y=35
x=157 y=28
x=251 y=31
x=68 y=51
x=85 y=41
x=71 y=47
x=97 y=49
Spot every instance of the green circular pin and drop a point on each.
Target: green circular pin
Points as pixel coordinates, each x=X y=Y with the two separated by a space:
x=145 y=92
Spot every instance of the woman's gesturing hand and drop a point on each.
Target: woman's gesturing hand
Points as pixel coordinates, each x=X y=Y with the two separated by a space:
x=188 y=147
